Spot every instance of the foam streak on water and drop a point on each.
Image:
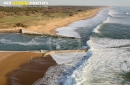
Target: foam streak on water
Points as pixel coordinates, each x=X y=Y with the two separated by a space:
x=106 y=64
x=68 y=62
x=110 y=56
x=70 y=29
x=23 y=42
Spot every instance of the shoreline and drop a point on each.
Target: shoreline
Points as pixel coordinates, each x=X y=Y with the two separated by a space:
x=11 y=61
x=49 y=28
x=26 y=63
x=24 y=58
x=30 y=71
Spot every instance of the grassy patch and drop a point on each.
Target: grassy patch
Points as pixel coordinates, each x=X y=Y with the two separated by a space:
x=36 y=16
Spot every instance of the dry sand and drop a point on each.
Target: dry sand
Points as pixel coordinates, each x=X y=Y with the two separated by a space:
x=27 y=67
x=52 y=24
x=50 y=27
x=11 y=61
x=5 y=54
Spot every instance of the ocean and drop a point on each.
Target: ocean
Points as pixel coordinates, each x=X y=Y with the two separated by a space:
x=107 y=62
x=109 y=51
x=22 y=42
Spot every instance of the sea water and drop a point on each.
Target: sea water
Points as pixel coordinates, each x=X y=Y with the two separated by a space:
x=108 y=59
x=68 y=63
x=22 y=42
x=109 y=62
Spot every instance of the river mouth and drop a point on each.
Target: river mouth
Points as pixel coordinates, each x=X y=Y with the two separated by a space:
x=22 y=42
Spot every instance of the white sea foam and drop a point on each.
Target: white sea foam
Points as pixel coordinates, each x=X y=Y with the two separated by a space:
x=114 y=12
x=69 y=31
x=37 y=41
x=99 y=18
x=68 y=58
x=20 y=43
x=118 y=20
x=105 y=65
x=66 y=64
x=81 y=23
x=57 y=75
x=127 y=13
x=109 y=60
x=113 y=20
x=96 y=29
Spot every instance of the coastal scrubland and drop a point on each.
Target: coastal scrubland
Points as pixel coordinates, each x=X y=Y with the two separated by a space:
x=41 y=19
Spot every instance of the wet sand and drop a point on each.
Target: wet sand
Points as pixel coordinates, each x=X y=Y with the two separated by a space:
x=13 y=61
x=24 y=68
x=30 y=72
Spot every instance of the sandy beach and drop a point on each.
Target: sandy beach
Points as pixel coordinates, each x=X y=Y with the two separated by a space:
x=27 y=67
x=65 y=46
x=10 y=61
x=50 y=27
x=31 y=71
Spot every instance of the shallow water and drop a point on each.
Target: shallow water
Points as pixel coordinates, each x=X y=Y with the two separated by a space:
x=21 y=42
x=109 y=62
x=108 y=59
x=69 y=62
